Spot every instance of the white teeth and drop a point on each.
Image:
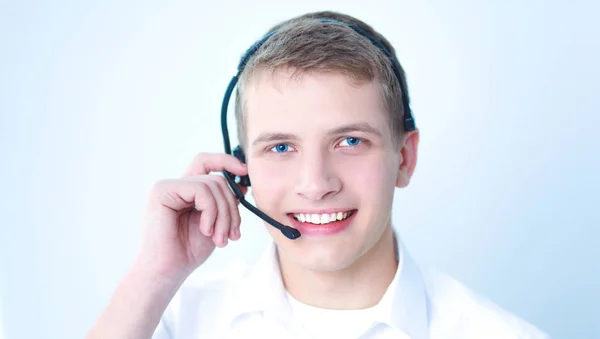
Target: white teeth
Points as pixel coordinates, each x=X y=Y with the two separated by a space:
x=319 y=219
x=315 y=219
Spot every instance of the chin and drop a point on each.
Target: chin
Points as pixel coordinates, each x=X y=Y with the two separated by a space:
x=327 y=253
x=321 y=255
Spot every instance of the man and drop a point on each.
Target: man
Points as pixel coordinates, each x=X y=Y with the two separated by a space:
x=322 y=121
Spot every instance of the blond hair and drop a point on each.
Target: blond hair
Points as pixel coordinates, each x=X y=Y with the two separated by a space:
x=306 y=44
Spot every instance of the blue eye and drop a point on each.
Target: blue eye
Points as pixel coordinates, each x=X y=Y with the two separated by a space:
x=281 y=148
x=350 y=141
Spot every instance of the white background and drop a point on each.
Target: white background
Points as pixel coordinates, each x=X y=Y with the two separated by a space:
x=100 y=99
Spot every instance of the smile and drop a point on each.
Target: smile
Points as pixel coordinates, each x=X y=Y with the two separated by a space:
x=322 y=218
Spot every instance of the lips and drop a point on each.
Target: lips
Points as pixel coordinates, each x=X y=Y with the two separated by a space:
x=324 y=224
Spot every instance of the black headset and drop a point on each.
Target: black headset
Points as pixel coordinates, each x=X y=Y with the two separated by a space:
x=290 y=232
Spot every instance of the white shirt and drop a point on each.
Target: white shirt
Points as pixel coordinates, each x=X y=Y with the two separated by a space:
x=417 y=305
x=325 y=323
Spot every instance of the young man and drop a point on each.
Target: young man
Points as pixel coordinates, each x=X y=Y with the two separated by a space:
x=320 y=116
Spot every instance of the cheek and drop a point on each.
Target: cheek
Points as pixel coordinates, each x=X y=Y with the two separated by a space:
x=372 y=177
x=268 y=181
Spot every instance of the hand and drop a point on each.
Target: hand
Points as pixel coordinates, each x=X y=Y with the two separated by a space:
x=187 y=217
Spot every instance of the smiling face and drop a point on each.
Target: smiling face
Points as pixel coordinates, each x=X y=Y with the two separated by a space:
x=322 y=158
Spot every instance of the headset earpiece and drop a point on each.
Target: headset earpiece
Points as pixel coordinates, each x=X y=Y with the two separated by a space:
x=239 y=154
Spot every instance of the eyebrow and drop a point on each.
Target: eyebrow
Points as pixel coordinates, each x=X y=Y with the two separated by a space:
x=350 y=128
x=267 y=137
x=358 y=127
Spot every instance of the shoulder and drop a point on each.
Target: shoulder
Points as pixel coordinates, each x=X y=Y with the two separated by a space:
x=455 y=308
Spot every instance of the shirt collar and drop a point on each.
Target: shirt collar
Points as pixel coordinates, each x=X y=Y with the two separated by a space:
x=403 y=306
x=263 y=290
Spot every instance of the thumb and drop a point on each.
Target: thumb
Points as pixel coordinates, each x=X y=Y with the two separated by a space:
x=204 y=163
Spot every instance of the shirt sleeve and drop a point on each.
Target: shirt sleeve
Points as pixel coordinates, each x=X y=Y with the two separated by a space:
x=162 y=330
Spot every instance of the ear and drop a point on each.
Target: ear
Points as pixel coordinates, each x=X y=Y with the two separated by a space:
x=408 y=157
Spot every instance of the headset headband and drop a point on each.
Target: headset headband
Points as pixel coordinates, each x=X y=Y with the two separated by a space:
x=408 y=120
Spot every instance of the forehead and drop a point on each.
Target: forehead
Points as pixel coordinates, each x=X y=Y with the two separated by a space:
x=310 y=103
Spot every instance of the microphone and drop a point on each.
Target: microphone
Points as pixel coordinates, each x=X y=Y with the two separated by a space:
x=290 y=232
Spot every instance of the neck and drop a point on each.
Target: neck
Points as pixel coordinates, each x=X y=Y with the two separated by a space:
x=359 y=286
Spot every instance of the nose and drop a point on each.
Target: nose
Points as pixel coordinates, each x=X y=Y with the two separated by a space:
x=317 y=177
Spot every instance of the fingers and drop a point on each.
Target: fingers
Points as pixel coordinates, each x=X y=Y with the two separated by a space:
x=206 y=204
x=223 y=221
x=234 y=212
x=204 y=163
x=219 y=217
x=211 y=196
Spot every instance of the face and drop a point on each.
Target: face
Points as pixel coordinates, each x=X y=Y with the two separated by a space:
x=322 y=159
